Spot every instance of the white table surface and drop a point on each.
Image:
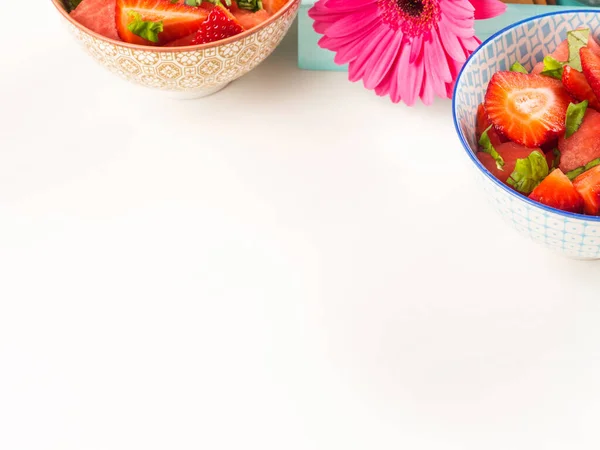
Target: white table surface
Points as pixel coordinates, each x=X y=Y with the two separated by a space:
x=293 y=263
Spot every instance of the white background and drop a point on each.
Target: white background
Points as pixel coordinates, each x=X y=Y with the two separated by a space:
x=293 y=263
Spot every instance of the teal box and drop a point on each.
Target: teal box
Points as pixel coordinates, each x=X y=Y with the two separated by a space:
x=313 y=57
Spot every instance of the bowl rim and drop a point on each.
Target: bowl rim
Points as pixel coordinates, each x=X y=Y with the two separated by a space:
x=188 y=48
x=465 y=144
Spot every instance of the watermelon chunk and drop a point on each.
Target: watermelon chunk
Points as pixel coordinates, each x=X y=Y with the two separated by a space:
x=510 y=152
x=560 y=54
x=272 y=6
x=248 y=19
x=583 y=146
x=98 y=16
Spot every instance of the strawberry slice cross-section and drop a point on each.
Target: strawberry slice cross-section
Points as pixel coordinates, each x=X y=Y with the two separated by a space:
x=178 y=19
x=529 y=109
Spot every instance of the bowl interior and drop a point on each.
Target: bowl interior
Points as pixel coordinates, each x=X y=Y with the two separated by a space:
x=526 y=42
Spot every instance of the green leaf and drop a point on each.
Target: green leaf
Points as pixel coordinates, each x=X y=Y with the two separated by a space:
x=529 y=172
x=576 y=172
x=556 y=160
x=193 y=2
x=251 y=5
x=575 y=114
x=487 y=147
x=144 y=28
x=517 y=67
x=70 y=5
x=552 y=67
x=577 y=39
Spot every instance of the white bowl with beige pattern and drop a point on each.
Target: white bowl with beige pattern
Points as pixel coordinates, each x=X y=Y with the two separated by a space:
x=186 y=72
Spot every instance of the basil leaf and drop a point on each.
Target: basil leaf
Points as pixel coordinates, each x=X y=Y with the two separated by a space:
x=517 y=67
x=575 y=114
x=144 y=28
x=577 y=39
x=553 y=68
x=252 y=5
x=529 y=172
x=488 y=148
x=576 y=172
x=214 y=2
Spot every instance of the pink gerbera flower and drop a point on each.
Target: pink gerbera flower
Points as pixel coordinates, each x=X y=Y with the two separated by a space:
x=402 y=48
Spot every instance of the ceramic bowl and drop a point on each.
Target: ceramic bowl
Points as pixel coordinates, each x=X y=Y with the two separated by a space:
x=186 y=72
x=573 y=235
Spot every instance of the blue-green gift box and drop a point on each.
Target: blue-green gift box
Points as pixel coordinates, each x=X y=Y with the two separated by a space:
x=313 y=57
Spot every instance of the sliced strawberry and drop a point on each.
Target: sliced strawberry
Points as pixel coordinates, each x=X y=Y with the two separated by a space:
x=220 y=24
x=588 y=186
x=249 y=19
x=179 y=20
x=510 y=152
x=272 y=6
x=583 y=146
x=483 y=123
x=577 y=85
x=557 y=191
x=590 y=62
x=98 y=16
x=527 y=109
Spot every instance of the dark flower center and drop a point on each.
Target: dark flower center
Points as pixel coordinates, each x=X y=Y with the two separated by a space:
x=411 y=7
x=412 y=17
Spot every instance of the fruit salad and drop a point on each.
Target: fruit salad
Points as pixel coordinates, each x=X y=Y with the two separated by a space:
x=171 y=23
x=539 y=131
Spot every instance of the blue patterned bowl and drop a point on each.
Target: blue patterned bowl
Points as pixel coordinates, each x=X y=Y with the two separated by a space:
x=573 y=235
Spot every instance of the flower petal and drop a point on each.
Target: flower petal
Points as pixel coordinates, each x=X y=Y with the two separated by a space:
x=401 y=56
x=486 y=9
x=382 y=58
x=351 y=22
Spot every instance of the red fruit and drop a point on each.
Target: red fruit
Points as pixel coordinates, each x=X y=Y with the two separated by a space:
x=249 y=19
x=593 y=45
x=510 y=152
x=583 y=146
x=219 y=25
x=98 y=16
x=272 y=6
x=560 y=54
x=557 y=191
x=527 y=109
x=179 y=20
x=588 y=186
x=577 y=85
x=590 y=62
x=483 y=124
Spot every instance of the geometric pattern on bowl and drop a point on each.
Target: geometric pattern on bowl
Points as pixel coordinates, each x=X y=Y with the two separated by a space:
x=572 y=235
x=194 y=72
